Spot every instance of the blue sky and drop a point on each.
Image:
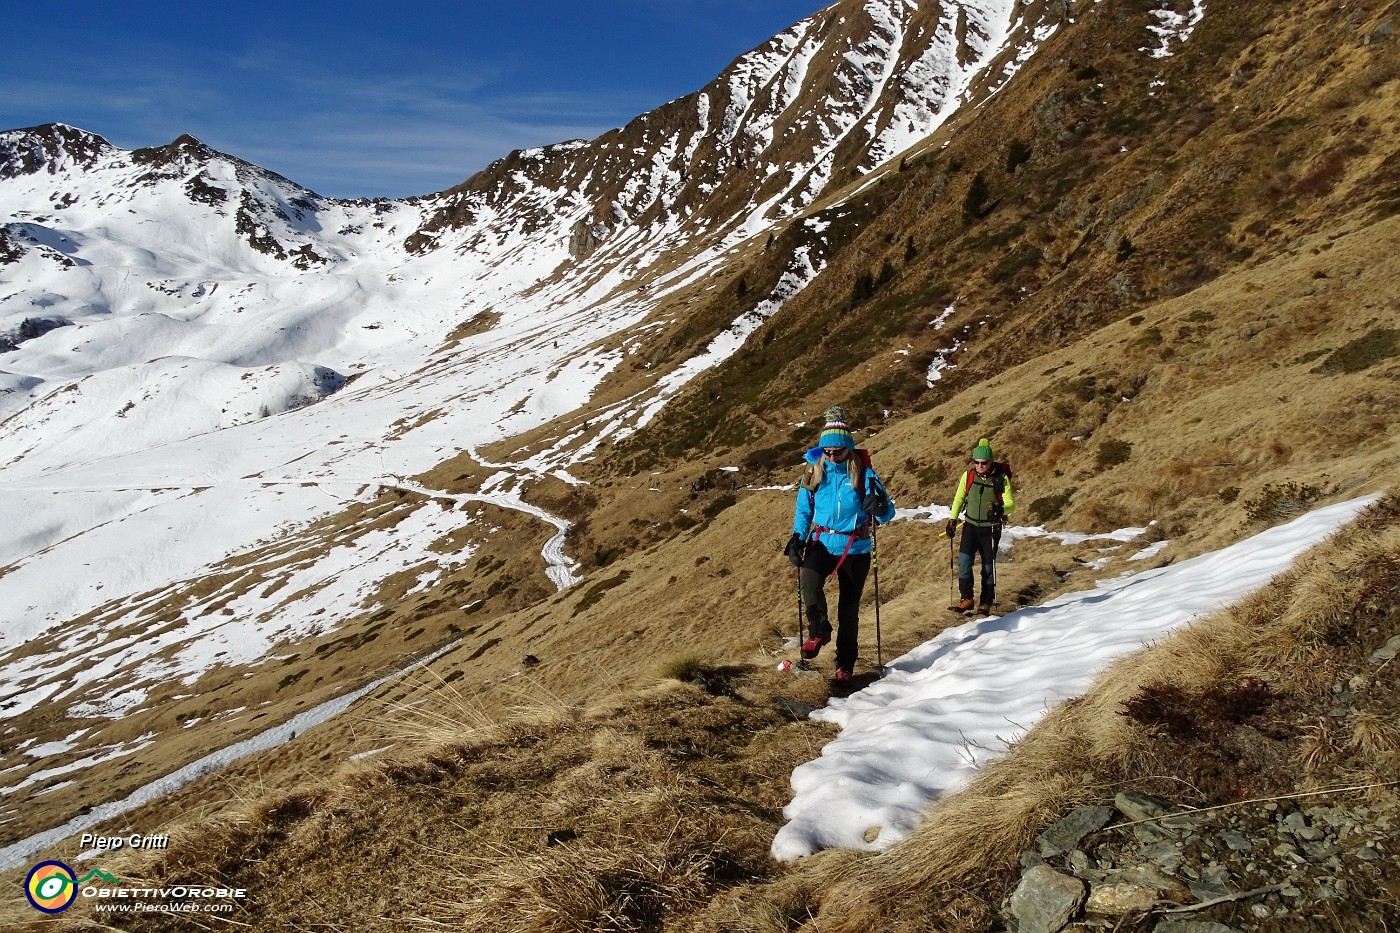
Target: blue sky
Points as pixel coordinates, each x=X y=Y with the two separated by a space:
x=355 y=98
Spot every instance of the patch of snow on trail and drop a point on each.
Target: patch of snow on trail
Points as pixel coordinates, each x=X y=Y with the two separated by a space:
x=958 y=701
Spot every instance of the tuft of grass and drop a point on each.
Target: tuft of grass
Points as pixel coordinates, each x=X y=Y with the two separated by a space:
x=1317 y=747
x=687 y=668
x=1373 y=735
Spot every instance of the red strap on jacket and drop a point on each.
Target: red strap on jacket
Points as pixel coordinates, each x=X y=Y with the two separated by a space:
x=861 y=532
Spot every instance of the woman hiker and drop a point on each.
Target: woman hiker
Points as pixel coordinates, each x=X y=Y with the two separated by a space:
x=838 y=501
x=985 y=491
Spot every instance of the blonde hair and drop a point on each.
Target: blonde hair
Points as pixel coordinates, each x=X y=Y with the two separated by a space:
x=813 y=476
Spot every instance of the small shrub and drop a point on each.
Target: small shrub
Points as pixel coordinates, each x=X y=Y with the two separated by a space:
x=1152 y=337
x=769 y=458
x=1048 y=508
x=1017 y=154
x=975 y=201
x=1055 y=450
x=1362 y=353
x=596 y=591
x=962 y=423
x=1111 y=453
x=1186 y=715
x=1280 y=502
x=1325 y=174
x=863 y=288
x=1026 y=257
x=1084 y=388
x=719 y=504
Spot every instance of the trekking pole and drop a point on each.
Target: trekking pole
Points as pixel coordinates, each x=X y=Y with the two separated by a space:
x=875 y=566
x=797 y=575
x=952 y=568
x=996 y=549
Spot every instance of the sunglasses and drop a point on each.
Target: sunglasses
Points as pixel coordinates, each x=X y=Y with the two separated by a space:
x=835 y=451
x=981 y=462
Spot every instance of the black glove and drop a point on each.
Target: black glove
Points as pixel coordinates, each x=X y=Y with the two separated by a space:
x=875 y=503
x=794 y=549
x=998 y=515
x=951 y=528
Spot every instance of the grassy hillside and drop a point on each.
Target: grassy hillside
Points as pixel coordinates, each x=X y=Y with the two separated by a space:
x=1100 y=182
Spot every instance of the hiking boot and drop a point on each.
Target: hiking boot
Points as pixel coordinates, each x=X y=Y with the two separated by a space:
x=962 y=605
x=985 y=609
x=811 y=646
x=843 y=675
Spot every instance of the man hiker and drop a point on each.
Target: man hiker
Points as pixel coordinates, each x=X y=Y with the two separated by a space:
x=838 y=501
x=985 y=491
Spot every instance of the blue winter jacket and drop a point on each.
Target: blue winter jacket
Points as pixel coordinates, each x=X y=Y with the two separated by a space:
x=835 y=505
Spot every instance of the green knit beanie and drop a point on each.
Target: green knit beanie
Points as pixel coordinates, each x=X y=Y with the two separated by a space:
x=983 y=450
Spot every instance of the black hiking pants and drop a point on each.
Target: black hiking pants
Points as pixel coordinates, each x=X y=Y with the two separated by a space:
x=979 y=540
x=850 y=577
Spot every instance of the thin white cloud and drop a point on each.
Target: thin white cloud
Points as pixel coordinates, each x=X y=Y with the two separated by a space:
x=342 y=135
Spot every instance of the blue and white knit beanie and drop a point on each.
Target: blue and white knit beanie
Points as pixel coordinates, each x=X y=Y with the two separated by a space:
x=834 y=432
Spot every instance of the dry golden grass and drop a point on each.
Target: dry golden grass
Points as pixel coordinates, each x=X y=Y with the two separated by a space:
x=1317 y=747
x=1373 y=735
x=554 y=817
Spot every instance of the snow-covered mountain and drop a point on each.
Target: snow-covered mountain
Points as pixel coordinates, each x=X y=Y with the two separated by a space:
x=163 y=304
